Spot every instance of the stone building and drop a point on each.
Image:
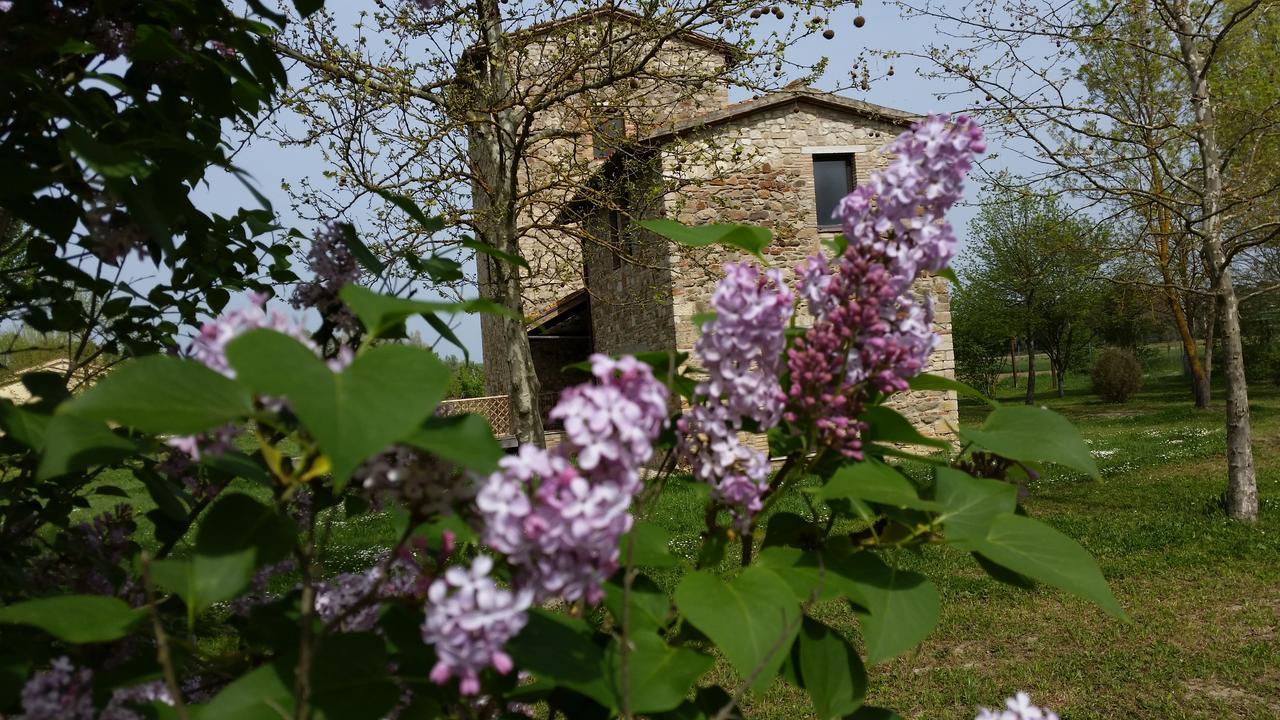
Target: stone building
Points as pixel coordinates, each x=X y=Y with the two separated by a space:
x=781 y=161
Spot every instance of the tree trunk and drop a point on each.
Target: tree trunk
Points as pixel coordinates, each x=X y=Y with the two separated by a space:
x=1013 y=361
x=1172 y=293
x=1199 y=379
x=1031 y=372
x=491 y=146
x=1210 y=325
x=1242 y=481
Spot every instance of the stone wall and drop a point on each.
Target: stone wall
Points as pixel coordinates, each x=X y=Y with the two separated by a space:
x=630 y=293
x=681 y=80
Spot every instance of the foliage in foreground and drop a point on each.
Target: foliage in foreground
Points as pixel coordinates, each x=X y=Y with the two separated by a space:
x=521 y=584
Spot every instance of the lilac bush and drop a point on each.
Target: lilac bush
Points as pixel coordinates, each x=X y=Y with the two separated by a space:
x=519 y=582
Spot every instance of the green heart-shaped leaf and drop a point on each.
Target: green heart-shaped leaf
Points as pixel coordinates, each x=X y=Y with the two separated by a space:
x=382 y=397
x=752 y=619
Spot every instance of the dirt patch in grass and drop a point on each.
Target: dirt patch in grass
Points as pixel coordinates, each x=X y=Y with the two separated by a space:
x=1238 y=702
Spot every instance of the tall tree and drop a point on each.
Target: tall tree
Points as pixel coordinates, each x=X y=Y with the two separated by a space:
x=1030 y=256
x=1034 y=66
x=497 y=116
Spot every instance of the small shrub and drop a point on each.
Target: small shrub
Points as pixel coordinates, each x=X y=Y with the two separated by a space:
x=1117 y=375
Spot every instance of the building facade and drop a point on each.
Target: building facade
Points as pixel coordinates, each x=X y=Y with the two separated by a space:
x=780 y=161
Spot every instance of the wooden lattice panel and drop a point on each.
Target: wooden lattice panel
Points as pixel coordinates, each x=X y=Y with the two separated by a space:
x=496 y=409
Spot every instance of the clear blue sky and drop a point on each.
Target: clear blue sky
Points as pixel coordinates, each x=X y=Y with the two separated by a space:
x=270 y=165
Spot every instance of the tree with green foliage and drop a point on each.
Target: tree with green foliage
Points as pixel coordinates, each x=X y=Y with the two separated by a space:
x=1038 y=263
x=113 y=114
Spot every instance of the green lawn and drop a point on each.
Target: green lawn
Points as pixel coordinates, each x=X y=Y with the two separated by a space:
x=1203 y=593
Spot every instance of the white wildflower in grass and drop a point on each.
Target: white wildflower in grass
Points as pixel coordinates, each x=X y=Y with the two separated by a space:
x=1018 y=707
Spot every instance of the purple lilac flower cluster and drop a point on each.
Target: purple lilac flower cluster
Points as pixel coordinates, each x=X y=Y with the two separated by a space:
x=212 y=444
x=259 y=591
x=741 y=350
x=337 y=598
x=869 y=332
x=556 y=514
x=118 y=708
x=469 y=621
x=88 y=558
x=558 y=522
x=332 y=266
x=65 y=692
x=210 y=346
x=1018 y=707
x=180 y=464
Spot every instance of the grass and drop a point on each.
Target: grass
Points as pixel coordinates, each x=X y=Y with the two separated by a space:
x=1202 y=592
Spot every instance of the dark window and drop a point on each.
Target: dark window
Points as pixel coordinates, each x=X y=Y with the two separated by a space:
x=608 y=134
x=832 y=180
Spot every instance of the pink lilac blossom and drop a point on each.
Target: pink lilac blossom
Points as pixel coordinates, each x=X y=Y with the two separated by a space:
x=180 y=464
x=65 y=692
x=813 y=282
x=635 y=380
x=210 y=348
x=610 y=426
x=558 y=522
x=741 y=348
x=118 y=708
x=899 y=214
x=558 y=529
x=870 y=334
x=738 y=475
x=1018 y=707
x=211 y=444
x=210 y=345
x=469 y=620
